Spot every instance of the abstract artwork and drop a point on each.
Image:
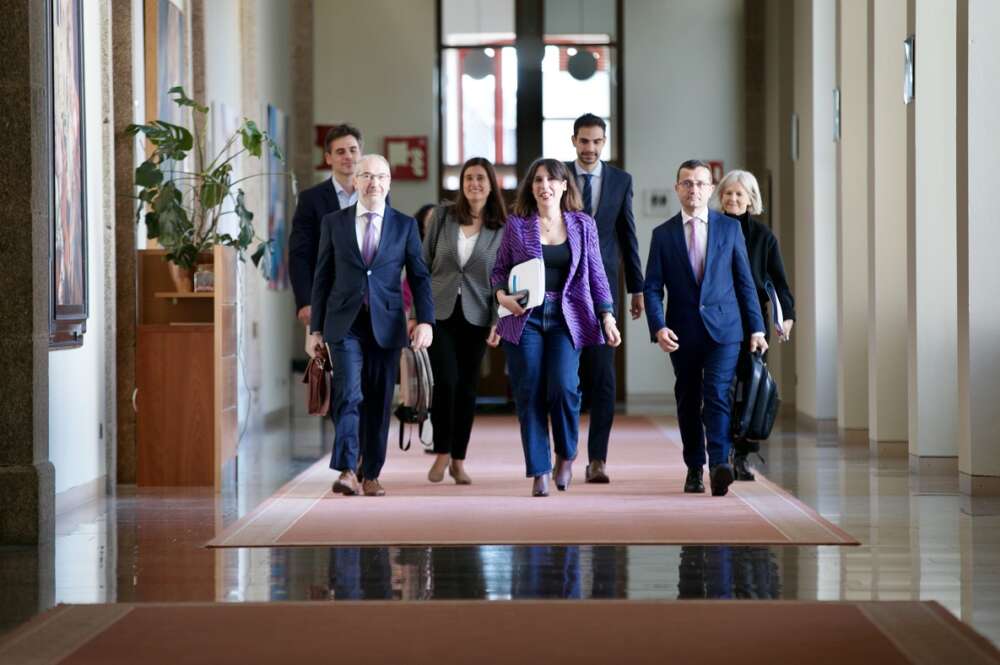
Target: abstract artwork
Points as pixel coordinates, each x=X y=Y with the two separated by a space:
x=69 y=211
x=277 y=201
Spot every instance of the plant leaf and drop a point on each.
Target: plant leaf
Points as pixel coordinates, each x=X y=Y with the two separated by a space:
x=183 y=100
x=258 y=254
x=148 y=174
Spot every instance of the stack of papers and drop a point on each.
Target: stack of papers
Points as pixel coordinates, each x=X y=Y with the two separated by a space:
x=529 y=276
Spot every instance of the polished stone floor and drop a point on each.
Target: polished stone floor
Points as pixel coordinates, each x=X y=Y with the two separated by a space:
x=921 y=539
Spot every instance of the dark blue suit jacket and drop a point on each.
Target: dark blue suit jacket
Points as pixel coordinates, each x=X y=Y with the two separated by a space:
x=726 y=302
x=342 y=278
x=616 y=228
x=303 y=244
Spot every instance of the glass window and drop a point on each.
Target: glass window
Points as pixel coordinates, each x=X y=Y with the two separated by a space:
x=474 y=22
x=575 y=80
x=479 y=104
x=580 y=21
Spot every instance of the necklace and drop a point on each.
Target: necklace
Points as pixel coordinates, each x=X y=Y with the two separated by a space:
x=547 y=226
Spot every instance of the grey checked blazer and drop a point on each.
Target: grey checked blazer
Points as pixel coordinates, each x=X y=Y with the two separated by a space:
x=441 y=256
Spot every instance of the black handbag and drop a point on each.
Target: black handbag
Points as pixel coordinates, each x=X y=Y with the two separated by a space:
x=755 y=398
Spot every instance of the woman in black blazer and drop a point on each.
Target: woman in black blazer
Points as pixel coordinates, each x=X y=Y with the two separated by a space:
x=460 y=247
x=738 y=196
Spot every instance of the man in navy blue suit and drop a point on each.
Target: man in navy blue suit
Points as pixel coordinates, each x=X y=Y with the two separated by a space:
x=341 y=151
x=357 y=309
x=700 y=257
x=607 y=197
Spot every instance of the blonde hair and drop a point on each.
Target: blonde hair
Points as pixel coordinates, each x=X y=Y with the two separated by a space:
x=747 y=181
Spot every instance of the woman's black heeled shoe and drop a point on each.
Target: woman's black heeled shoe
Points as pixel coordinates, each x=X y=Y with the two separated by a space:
x=540 y=486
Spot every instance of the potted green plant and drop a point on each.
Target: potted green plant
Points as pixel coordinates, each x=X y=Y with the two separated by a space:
x=182 y=202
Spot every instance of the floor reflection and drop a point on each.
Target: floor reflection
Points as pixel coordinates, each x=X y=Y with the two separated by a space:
x=508 y=572
x=921 y=540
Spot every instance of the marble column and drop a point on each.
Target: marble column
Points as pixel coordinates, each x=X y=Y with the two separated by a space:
x=978 y=148
x=852 y=217
x=887 y=155
x=931 y=256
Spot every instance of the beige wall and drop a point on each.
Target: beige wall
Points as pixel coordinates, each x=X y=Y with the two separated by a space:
x=682 y=100
x=375 y=68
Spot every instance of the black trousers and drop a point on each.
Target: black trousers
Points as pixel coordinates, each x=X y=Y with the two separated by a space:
x=597 y=385
x=456 y=355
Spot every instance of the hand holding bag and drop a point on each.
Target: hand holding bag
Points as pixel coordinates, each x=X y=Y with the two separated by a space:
x=318 y=379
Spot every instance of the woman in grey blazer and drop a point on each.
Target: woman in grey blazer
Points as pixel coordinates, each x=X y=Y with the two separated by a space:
x=460 y=248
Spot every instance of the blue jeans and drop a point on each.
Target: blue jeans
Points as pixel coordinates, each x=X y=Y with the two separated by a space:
x=544 y=374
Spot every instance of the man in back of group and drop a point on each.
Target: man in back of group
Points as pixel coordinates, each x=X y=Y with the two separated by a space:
x=607 y=197
x=341 y=151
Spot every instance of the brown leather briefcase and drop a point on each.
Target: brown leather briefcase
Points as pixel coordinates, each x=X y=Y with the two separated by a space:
x=318 y=379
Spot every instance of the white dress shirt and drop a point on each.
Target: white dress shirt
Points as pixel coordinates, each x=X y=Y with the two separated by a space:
x=361 y=222
x=701 y=237
x=465 y=246
x=595 y=183
x=346 y=200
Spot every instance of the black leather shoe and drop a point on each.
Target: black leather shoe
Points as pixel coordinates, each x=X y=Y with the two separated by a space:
x=721 y=477
x=693 y=484
x=741 y=467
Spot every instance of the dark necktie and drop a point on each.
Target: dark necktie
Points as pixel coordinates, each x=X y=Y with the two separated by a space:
x=587 y=194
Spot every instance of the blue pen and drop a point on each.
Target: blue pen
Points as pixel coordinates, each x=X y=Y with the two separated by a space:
x=514 y=280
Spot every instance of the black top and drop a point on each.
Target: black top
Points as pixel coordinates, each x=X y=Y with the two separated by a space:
x=557 y=259
x=766 y=265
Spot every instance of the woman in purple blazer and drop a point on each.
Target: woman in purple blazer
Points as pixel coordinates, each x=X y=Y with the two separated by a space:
x=543 y=343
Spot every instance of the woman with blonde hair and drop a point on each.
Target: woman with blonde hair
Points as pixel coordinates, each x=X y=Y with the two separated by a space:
x=738 y=195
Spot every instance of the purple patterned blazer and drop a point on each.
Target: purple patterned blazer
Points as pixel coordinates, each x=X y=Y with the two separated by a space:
x=586 y=294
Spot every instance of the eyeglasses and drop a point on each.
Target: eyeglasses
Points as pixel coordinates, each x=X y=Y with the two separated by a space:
x=381 y=177
x=692 y=184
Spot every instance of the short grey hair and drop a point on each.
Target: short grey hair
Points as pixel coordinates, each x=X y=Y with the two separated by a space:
x=378 y=158
x=747 y=181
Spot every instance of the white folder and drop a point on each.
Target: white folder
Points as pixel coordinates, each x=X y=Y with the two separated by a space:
x=529 y=275
x=777 y=316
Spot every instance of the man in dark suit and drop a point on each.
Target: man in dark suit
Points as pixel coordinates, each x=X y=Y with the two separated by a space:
x=607 y=197
x=357 y=309
x=700 y=257
x=341 y=151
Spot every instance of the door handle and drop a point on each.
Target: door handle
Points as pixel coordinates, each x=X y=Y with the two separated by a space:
x=135 y=391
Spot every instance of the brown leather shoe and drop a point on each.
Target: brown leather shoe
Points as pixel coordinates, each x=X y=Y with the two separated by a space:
x=596 y=473
x=346 y=484
x=372 y=487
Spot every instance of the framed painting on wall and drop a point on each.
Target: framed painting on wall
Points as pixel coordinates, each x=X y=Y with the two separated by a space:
x=68 y=287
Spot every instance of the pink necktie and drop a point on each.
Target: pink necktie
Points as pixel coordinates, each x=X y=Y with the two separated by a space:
x=368 y=242
x=695 y=253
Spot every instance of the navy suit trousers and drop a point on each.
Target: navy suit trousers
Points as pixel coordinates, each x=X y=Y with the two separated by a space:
x=704 y=370
x=364 y=376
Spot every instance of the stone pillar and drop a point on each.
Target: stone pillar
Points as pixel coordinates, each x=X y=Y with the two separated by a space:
x=931 y=256
x=27 y=488
x=125 y=246
x=815 y=210
x=978 y=147
x=887 y=155
x=852 y=216
x=27 y=478
x=303 y=159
